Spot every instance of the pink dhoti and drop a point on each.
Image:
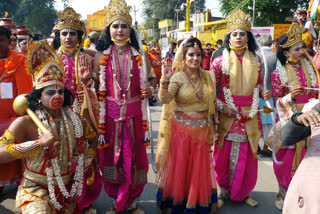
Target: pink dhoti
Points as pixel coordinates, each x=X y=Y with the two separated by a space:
x=284 y=171
x=236 y=169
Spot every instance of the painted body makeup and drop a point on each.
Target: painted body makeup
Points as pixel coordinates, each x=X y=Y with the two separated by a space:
x=53 y=97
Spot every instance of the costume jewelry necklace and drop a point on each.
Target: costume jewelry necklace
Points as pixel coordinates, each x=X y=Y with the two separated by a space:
x=199 y=92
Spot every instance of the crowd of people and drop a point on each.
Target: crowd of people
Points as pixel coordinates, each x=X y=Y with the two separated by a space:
x=75 y=120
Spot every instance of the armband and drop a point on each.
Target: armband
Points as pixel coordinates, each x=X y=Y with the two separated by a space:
x=24 y=150
x=7 y=138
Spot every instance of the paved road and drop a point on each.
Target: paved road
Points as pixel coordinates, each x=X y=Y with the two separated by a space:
x=264 y=192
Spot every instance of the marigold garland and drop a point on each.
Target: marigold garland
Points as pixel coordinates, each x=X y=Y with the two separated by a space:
x=102 y=102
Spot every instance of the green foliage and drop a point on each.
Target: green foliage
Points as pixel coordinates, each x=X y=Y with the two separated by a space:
x=38 y=15
x=267 y=12
x=157 y=10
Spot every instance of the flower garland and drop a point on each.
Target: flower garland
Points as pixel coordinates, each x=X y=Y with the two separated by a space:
x=102 y=95
x=284 y=78
x=53 y=168
x=228 y=94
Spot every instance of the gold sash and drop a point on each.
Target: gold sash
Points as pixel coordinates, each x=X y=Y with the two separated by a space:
x=243 y=80
x=293 y=80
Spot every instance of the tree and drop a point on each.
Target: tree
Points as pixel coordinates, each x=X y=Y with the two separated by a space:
x=267 y=12
x=156 y=10
x=38 y=15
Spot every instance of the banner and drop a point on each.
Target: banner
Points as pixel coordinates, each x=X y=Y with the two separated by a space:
x=280 y=29
x=258 y=31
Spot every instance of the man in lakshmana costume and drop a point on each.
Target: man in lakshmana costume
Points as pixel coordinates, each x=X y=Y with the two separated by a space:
x=53 y=175
x=68 y=43
x=239 y=82
x=123 y=159
x=294 y=72
x=13 y=81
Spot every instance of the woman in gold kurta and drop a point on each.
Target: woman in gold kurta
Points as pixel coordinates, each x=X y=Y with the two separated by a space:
x=184 y=159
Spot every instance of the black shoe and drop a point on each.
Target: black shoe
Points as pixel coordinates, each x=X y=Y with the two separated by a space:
x=265 y=153
x=152 y=101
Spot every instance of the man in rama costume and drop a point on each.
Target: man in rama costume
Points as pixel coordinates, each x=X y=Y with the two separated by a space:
x=123 y=123
x=55 y=152
x=68 y=42
x=239 y=82
x=13 y=81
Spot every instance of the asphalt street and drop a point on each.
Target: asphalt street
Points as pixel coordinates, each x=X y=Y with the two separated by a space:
x=264 y=192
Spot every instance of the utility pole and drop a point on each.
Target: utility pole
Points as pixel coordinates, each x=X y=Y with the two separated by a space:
x=153 y=33
x=177 y=11
x=254 y=8
x=135 y=13
x=188 y=16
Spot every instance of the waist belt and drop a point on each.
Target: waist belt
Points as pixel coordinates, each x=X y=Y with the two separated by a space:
x=240 y=138
x=43 y=179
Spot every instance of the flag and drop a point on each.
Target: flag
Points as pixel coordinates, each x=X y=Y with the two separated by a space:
x=313 y=8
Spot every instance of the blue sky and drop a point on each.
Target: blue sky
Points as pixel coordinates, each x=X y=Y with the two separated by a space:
x=85 y=8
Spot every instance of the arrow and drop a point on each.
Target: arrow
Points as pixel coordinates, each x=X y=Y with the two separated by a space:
x=290 y=86
x=265 y=110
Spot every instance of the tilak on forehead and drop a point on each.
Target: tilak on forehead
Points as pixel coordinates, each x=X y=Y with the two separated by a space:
x=118 y=9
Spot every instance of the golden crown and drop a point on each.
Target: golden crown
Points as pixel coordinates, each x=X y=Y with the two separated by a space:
x=44 y=65
x=68 y=18
x=118 y=9
x=238 y=20
x=294 y=35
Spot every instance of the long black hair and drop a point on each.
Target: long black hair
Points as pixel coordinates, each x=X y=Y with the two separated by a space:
x=251 y=42
x=280 y=50
x=35 y=95
x=105 y=41
x=56 y=40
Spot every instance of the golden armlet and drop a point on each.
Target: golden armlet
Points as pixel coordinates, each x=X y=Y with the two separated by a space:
x=7 y=138
x=24 y=150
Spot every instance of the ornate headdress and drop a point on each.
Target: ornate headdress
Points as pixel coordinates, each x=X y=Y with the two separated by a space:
x=44 y=65
x=68 y=18
x=294 y=35
x=118 y=9
x=238 y=19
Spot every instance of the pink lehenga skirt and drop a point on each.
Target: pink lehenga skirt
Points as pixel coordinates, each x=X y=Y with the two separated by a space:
x=188 y=184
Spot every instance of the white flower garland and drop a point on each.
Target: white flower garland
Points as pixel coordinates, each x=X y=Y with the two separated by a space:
x=77 y=186
x=311 y=73
x=228 y=94
x=284 y=78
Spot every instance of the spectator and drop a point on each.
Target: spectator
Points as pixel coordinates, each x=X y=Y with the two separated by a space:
x=309 y=34
x=275 y=45
x=207 y=52
x=13 y=42
x=303 y=196
x=171 y=52
x=37 y=37
x=271 y=61
x=218 y=51
x=93 y=37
